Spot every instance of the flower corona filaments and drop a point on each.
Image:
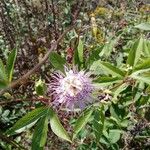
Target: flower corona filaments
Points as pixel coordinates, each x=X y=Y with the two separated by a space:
x=72 y=89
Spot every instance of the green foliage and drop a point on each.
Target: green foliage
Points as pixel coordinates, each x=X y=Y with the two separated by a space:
x=117 y=56
x=10 y=64
x=57 y=127
x=28 y=120
x=82 y=121
x=143 y=26
x=57 y=61
x=40 y=87
x=6 y=72
x=40 y=134
x=135 y=52
x=78 y=54
x=107 y=68
x=80 y=51
x=3 y=76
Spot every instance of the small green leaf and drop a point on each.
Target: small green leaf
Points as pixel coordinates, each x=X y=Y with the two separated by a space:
x=3 y=84
x=78 y=54
x=143 y=26
x=146 y=48
x=107 y=68
x=28 y=119
x=80 y=50
x=57 y=127
x=40 y=87
x=114 y=135
x=76 y=60
x=142 y=78
x=142 y=75
x=104 y=140
x=82 y=121
x=3 y=75
x=40 y=134
x=93 y=55
x=116 y=112
x=135 y=52
x=10 y=64
x=98 y=122
x=118 y=90
x=107 y=80
x=57 y=61
x=145 y=64
x=108 y=47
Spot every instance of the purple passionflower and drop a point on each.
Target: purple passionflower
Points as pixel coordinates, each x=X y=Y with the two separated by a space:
x=72 y=89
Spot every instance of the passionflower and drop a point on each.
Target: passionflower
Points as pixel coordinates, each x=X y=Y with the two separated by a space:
x=72 y=89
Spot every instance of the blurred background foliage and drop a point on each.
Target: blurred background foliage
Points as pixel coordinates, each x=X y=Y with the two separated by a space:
x=108 y=30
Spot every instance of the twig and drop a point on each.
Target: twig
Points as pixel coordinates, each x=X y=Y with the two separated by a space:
x=27 y=75
x=42 y=99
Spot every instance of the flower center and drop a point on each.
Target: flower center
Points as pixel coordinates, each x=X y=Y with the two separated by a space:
x=71 y=85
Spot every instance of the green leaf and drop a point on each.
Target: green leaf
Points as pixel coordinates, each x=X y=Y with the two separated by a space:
x=143 y=26
x=114 y=146
x=93 y=55
x=80 y=50
x=145 y=64
x=3 y=84
x=28 y=119
x=107 y=80
x=135 y=52
x=146 y=48
x=104 y=140
x=141 y=78
x=118 y=90
x=108 y=47
x=40 y=87
x=142 y=75
x=76 y=60
x=98 y=129
x=40 y=134
x=125 y=123
x=3 y=75
x=82 y=121
x=10 y=64
x=78 y=54
x=114 y=135
x=57 y=127
x=98 y=122
x=117 y=112
x=57 y=61
x=108 y=68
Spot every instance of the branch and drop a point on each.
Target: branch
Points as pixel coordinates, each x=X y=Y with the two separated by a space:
x=27 y=75
x=44 y=100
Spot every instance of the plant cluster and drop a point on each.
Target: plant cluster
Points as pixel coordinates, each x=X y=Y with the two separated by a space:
x=74 y=75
